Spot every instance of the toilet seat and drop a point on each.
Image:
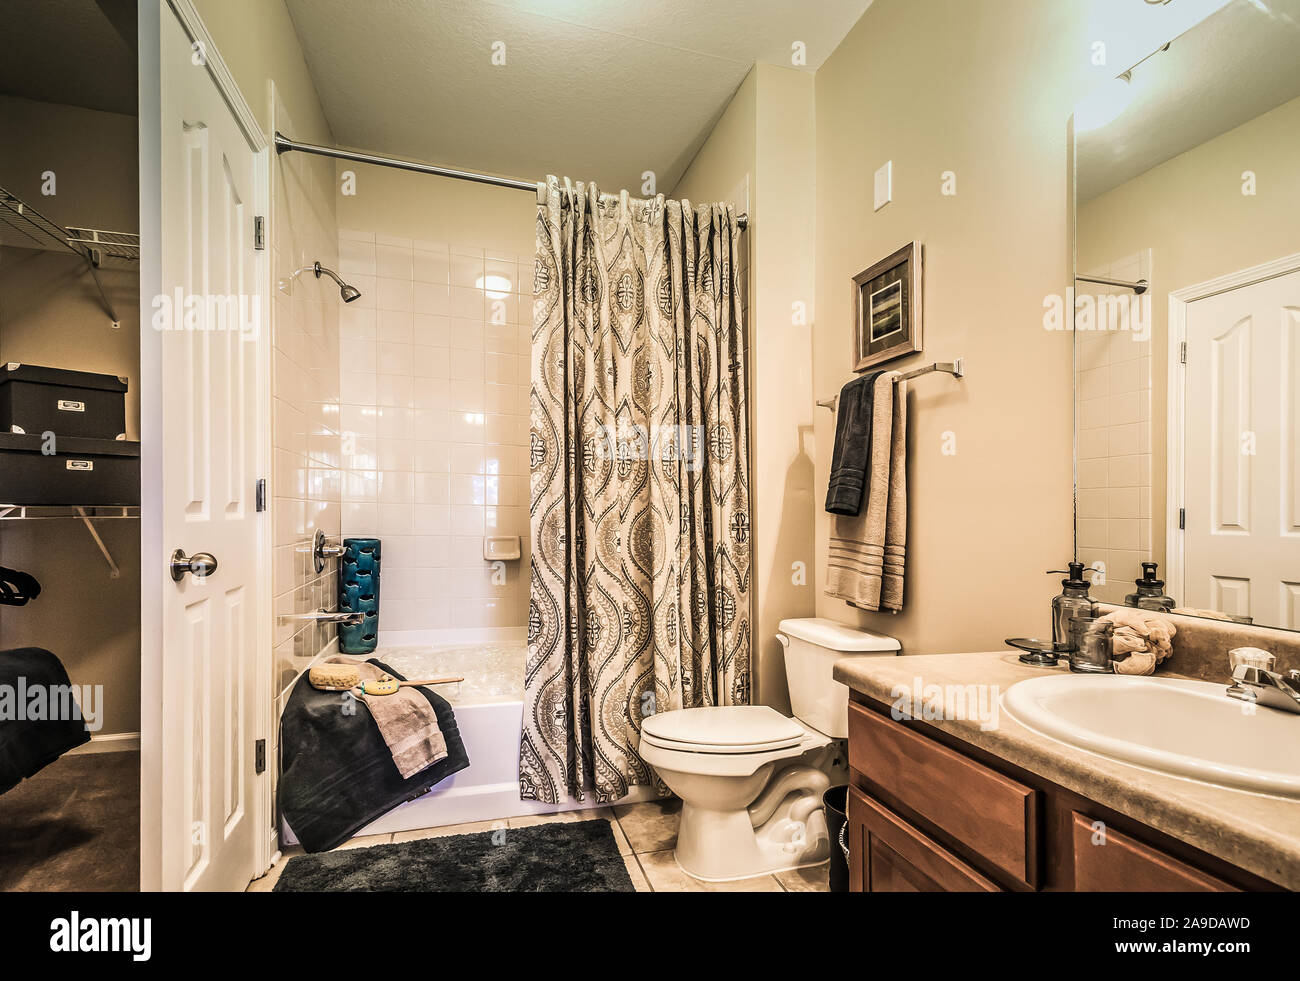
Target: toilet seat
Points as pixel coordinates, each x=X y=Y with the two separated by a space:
x=717 y=750
x=724 y=730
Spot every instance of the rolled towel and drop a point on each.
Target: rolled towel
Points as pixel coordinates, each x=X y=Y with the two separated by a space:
x=1142 y=640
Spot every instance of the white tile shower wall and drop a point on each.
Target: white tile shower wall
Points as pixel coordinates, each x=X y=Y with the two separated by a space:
x=1115 y=431
x=434 y=390
x=306 y=481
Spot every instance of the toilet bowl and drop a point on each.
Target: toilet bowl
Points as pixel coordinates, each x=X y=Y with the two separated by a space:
x=748 y=776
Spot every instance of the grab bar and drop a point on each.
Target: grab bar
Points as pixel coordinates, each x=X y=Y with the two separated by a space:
x=325 y=616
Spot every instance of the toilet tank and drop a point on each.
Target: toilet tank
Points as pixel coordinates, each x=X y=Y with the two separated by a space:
x=811 y=649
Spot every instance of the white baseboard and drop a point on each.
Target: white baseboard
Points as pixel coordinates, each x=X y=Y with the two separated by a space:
x=113 y=742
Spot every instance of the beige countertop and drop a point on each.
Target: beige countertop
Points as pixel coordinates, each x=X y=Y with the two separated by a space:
x=1258 y=833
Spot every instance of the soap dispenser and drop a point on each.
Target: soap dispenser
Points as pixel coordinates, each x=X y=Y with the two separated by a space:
x=1072 y=602
x=1150 y=593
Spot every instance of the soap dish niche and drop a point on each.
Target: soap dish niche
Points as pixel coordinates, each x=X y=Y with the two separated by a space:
x=502 y=548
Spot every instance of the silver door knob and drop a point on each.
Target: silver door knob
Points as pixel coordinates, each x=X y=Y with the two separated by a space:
x=200 y=564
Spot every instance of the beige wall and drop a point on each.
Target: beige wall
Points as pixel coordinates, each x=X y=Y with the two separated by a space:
x=983 y=90
x=1190 y=213
x=257 y=40
x=51 y=314
x=95 y=190
x=765 y=142
x=435 y=388
x=729 y=156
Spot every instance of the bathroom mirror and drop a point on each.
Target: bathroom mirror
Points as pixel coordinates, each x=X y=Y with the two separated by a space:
x=1187 y=321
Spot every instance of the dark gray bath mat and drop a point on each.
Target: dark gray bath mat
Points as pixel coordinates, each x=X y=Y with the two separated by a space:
x=577 y=857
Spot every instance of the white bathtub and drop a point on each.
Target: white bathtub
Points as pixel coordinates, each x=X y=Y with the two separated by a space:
x=489 y=713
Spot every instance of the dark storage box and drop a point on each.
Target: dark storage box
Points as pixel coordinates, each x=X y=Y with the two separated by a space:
x=68 y=403
x=87 y=472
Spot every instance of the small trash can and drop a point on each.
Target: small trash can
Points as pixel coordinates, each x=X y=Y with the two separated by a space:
x=835 y=803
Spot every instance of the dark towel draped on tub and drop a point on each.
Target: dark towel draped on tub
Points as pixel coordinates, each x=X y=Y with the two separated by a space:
x=338 y=773
x=851 y=457
x=29 y=745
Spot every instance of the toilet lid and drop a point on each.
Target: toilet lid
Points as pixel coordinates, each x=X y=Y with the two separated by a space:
x=723 y=729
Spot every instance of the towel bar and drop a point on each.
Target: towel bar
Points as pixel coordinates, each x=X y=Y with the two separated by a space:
x=955 y=368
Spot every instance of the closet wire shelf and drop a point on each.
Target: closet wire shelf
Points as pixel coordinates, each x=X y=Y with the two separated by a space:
x=98 y=242
x=93 y=245
x=29 y=512
x=86 y=515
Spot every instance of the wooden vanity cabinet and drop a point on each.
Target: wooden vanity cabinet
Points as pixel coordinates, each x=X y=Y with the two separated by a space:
x=931 y=813
x=886 y=854
x=1106 y=860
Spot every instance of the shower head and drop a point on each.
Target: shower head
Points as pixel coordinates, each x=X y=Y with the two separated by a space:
x=346 y=291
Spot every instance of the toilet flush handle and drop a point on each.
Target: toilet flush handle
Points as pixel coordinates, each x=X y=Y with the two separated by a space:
x=785 y=641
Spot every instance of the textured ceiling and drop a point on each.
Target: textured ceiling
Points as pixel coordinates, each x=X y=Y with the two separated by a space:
x=591 y=89
x=74 y=52
x=1238 y=64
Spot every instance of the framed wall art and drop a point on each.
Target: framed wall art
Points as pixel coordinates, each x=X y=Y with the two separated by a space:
x=887 y=309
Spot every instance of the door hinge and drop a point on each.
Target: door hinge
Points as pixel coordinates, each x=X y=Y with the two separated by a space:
x=1182 y=519
x=261 y=494
x=1182 y=353
x=259 y=756
x=259 y=233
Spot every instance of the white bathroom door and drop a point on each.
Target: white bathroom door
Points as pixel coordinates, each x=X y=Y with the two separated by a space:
x=1242 y=540
x=210 y=320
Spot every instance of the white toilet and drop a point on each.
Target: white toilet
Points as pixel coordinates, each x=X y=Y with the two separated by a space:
x=751 y=798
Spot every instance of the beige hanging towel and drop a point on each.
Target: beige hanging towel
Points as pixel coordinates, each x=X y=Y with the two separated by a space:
x=868 y=552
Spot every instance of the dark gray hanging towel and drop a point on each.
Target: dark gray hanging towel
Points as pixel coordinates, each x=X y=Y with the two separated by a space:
x=851 y=460
x=29 y=745
x=337 y=772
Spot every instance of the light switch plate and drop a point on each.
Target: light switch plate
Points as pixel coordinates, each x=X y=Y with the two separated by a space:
x=884 y=185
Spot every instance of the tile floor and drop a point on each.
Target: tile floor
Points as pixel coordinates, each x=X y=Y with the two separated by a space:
x=645 y=834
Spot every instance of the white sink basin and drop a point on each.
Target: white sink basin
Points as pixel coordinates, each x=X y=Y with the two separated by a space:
x=1184 y=728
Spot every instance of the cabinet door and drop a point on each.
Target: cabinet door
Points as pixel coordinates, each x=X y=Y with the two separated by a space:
x=993 y=816
x=886 y=854
x=1112 y=862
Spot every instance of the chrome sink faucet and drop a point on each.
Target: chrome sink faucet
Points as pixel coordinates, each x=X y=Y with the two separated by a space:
x=1261 y=686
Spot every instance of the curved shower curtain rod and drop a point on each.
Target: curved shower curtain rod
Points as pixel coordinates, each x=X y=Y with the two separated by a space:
x=285 y=145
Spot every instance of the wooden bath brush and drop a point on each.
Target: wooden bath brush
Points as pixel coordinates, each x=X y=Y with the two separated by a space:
x=391 y=686
x=346 y=677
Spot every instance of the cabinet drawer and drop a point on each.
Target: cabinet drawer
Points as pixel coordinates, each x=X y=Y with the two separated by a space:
x=886 y=854
x=1118 y=863
x=993 y=815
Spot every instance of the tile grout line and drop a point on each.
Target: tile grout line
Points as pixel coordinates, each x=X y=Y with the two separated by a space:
x=635 y=854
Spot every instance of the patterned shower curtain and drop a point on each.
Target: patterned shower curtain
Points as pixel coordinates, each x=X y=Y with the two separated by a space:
x=640 y=507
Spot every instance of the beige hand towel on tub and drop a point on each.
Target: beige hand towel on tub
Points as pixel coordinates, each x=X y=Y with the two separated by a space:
x=406 y=721
x=867 y=552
